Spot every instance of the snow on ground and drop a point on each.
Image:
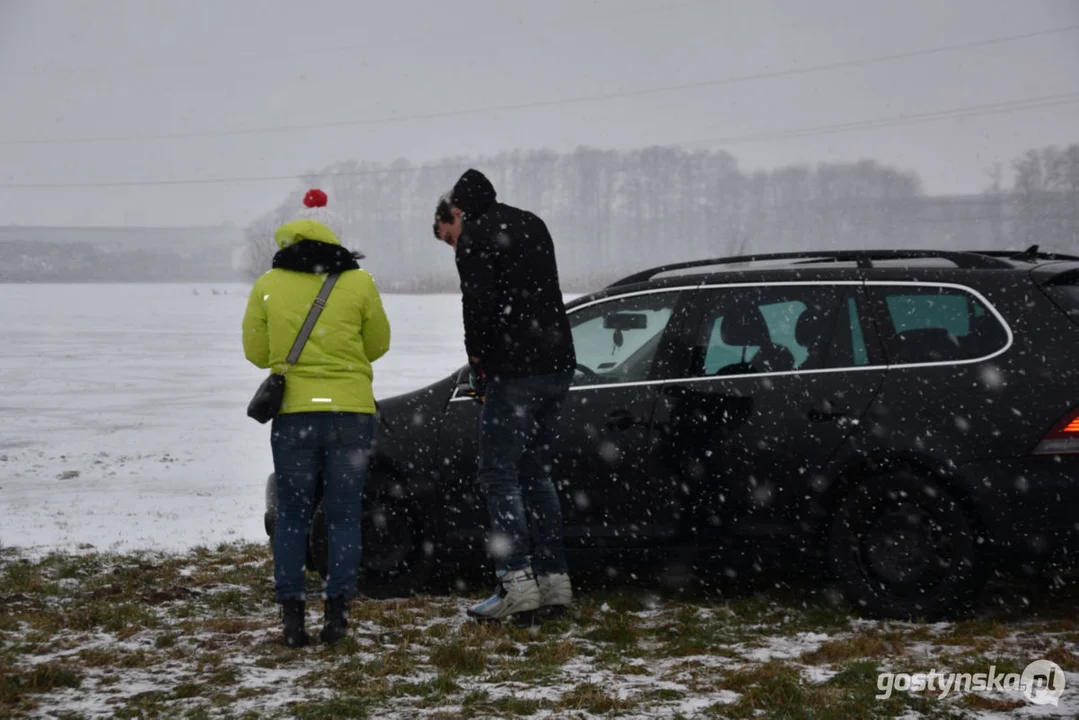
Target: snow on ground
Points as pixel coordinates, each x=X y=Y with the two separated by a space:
x=122 y=411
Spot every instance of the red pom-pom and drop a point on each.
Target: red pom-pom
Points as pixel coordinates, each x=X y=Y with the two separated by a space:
x=315 y=198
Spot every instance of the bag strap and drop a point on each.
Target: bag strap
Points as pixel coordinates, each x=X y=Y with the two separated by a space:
x=312 y=318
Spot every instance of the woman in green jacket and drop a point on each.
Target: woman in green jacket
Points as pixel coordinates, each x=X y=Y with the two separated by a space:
x=327 y=421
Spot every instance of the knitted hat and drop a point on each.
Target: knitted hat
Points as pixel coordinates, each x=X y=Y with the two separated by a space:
x=314 y=222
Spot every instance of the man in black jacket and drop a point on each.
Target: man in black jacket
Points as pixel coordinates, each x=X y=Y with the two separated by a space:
x=521 y=352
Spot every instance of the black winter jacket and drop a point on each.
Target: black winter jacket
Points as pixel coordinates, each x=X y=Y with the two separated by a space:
x=514 y=317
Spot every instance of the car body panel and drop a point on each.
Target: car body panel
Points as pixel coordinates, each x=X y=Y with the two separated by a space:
x=672 y=460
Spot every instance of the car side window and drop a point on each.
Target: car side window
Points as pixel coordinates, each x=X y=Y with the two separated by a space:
x=750 y=330
x=937 y=324
x=617 y=340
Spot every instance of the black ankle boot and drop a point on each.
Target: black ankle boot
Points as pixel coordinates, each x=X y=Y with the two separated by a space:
x=294 y=614
x=336 y=625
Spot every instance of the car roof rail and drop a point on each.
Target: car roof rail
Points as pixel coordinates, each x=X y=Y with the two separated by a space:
x=864 y=259
x=1031 y=254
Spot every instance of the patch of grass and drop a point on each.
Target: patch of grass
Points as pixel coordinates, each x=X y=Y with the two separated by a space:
x=619 y=629
x=521 y=671
x=512 y=706
x=396 y=662
x=1066 y=659
x=233 y=625
x=97 y=657
x=19 y=685
x=972 y=663
x=153 y=703
x=968 y=632
x=48 y=676
x=484 y=634
x=591 y=697
x=114 y=658
x=475 y=697
x=552 y=653
x=432 y=693
x=113 y=617
x=438 y=631
x=188 y=690
x=165 y=640
x=23 y=577
x=334 y=709
x=862 y=645
x=660 y=695
x=506 y=647
x=977 y=702
x=628 y=669
x=222 y=676
x=456 y=659
x=687 y=635
x=776 y=690
x=233 y=601
x=447 y=715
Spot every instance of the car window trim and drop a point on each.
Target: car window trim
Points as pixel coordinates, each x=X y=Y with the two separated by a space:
x=796 y=283
x=963 y=288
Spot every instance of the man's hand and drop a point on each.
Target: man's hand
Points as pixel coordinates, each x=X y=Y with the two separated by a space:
x=477 y=379
x=477 y=366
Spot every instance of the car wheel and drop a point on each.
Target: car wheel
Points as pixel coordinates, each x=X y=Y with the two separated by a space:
x=398 y=551
x=902 y=547
x=315 y=560
x=398 y=558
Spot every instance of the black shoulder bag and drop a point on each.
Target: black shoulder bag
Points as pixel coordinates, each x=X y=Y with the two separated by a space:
x=271 y=393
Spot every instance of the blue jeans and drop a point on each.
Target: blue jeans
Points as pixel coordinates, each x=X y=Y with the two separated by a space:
x=305 y=445
x=518 y=429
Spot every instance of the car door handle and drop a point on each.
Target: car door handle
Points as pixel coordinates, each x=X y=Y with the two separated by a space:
x=827 y=410
x=620 y=420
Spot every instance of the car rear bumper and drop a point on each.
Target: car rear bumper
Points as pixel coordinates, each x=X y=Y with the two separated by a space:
x=1029 y=507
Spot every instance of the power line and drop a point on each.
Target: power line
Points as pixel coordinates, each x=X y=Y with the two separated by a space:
x=838 y=128
x=898 y=120
x=791 y=72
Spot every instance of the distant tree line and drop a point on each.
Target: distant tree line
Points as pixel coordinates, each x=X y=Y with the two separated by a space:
x=613 y=212
x=1046 y=197
x=41 y=261
x=610 y=212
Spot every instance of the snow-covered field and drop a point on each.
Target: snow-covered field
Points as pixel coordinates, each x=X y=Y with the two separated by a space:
x=122 y=411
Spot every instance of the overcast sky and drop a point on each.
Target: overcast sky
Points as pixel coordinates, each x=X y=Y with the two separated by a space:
x=111 y=72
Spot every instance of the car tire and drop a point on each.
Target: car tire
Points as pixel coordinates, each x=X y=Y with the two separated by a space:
x=398 y=558
x=902 y=547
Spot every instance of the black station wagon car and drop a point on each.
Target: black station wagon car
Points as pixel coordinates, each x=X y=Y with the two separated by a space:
x=910 y=418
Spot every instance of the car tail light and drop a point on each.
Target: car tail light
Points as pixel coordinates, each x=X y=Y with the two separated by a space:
x=1063 y=438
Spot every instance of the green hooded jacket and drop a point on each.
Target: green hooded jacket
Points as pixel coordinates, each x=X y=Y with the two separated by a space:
x=334 y=371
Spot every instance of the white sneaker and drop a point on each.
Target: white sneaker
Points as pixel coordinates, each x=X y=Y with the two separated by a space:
x=556 y=593
x=517 y=597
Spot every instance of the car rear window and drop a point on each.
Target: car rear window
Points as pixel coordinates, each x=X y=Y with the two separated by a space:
x=937 y=324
